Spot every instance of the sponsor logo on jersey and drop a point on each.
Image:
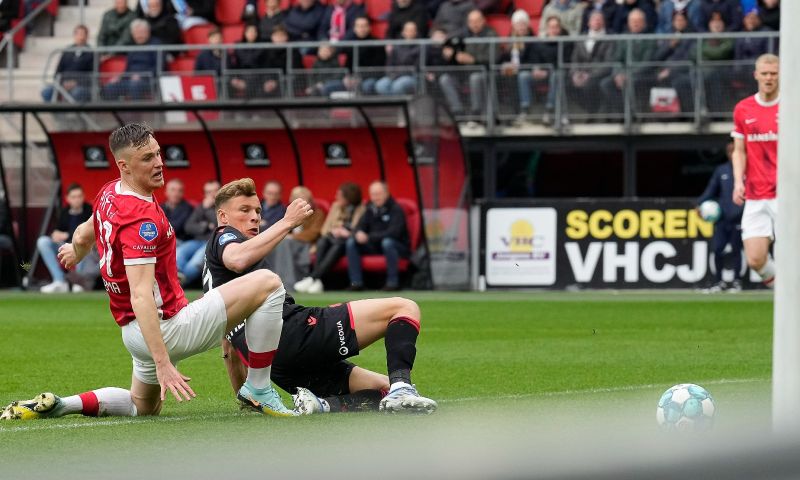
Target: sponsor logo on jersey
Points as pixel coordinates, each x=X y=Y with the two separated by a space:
x=750 y=120
x=311 y=321
x=148 y=231
x=762 y=137
x=225 y=238
x=342 y=349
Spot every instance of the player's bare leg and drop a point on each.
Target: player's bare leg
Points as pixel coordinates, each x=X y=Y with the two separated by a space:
x=95 y=403
x=258 y=297
x=756 y=250
x=146 y=397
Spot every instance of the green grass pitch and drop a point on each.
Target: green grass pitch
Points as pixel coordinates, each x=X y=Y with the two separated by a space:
x=488 y=358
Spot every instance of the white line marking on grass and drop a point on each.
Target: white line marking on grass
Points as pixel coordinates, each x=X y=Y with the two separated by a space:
x=589 y=391
x=150 y=420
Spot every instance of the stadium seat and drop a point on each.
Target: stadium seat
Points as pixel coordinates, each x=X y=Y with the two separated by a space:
x=229 y=12
x=308 y=61
x=183 y=63
x=533 y=7
x=376 y=9
x=197 y=35
x=110 y=66
x=232 y=33
x=500 y=23
x=379 y=28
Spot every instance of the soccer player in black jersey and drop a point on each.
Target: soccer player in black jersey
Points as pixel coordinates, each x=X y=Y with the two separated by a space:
x=311 y=360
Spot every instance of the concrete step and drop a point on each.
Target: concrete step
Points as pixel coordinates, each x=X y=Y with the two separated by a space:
x=92 y=15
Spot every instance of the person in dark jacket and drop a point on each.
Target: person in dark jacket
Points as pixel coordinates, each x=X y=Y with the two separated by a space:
x=176 y=208
x=519 y=53
x=401 y=81
x=749 y=48
x=452 y=16
x=546 y=58
x=275 y=59
x=273 y=16
x=368 y=57
x=621 y=17
x=382 y=229
x=304 y=21
x=189 y=13
x=243 y=83
x=337 y=23
x=584 y=77
x=163 y=24
x=77 y=212
x=210 y=60
x=728 y=229
x=138 y=80
x=326 y=64
x=199 y=227
x=115 y=26
x=678 y=50
x=272 y=208
x=74 y=69
x=769 y=11
x=9 y=10
x=731 y=11
x=404 y=11
x=608 y=8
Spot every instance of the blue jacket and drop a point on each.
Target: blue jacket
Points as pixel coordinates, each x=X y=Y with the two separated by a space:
x=144 y=61
x=304 y=25
x=720 y=189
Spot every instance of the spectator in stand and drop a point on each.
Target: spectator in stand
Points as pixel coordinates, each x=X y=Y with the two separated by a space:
x=340 y=15
x=177 y=209
x=77 y=212
x=520 y=53
x=399 y=79
x=304 y=22
x=115 y=27
x=326 y=61
x=211 y=60
x=452 y=16
x=471 y=55
x=546 y=53
x=138 y=80
x=569 y=13
x=747 y=49
x=291 y=258
x=74 y=69
x=404 y=11
x=275 y=59
x=368 y=57
x=716 y=50
x=244 y=84
x=645 y=6
x=163 y=24
x=667 y=8
x=678 y=50
x=381 y=230
x=9 y=10
x=433 y=7
x=199 y=227
x=272 y=209
x=614 y=85
x=730 y=10
x=607 y=7
x=189 y=13
x=584 y=79
x=344 y=215
x=769 y=11
x=273 y=16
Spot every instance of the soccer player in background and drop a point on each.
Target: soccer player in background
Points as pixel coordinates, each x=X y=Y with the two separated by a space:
x=755 y=164
x=136 y=245
x=728 y=228
x=315 y=342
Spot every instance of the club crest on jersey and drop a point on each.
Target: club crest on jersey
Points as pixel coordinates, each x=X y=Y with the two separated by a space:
x=225 y=238
x=148 y=231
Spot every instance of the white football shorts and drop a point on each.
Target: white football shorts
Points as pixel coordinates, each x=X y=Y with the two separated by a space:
x=758 y=219
x=197 y=328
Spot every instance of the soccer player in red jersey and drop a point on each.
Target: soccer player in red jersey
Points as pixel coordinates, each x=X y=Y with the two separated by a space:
x=755 y=164
x=136 y=245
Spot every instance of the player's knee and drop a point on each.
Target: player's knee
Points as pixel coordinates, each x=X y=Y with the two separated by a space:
x=146 y=406
x=408 y=308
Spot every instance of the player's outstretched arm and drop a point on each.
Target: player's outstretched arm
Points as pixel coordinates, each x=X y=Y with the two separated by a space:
x=141 y=279
x=71 y=254
x=238 y=257
x=739 y=160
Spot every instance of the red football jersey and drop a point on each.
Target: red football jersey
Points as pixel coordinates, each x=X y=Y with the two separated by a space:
x=756 y=122
x=131 y=229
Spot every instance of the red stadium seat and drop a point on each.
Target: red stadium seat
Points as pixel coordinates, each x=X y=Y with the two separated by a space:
x=378 y=8
x=533 y=7
x=500 y=23
x=184 y=63
x=308 y=61
x=379 y=28
x=197 y=35
x=232 y=33
x=229 y=12
x=110 y=66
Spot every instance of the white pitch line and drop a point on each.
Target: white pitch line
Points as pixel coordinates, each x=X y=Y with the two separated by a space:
x=129 y=421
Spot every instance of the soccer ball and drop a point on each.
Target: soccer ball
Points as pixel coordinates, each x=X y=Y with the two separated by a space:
x=710 y=211
x=686 y=408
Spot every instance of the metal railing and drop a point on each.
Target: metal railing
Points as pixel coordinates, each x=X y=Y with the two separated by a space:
x=616 y=89
x=7 y=42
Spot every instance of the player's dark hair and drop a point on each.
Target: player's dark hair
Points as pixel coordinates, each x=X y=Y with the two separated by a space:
x=243 y=187
x=351 y=192
x=74 y=186
x=135 y=135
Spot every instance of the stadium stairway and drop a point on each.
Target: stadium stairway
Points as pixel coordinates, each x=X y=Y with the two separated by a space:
x=33 y=59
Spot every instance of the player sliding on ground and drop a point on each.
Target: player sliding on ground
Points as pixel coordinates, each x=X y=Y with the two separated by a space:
x=136 y=245
x=755 y=165
x=315 y=342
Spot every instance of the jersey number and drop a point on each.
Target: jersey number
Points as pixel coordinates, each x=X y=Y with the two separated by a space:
x=105 y=240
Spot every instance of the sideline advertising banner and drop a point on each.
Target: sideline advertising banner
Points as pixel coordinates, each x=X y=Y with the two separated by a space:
x=643 y=243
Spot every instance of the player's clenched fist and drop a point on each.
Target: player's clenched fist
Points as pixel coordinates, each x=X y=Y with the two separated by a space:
x=297 y=212
x=67 y=256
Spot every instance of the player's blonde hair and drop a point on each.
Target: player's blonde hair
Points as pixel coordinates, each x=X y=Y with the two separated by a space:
x=242 y=187
x=768 y=58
